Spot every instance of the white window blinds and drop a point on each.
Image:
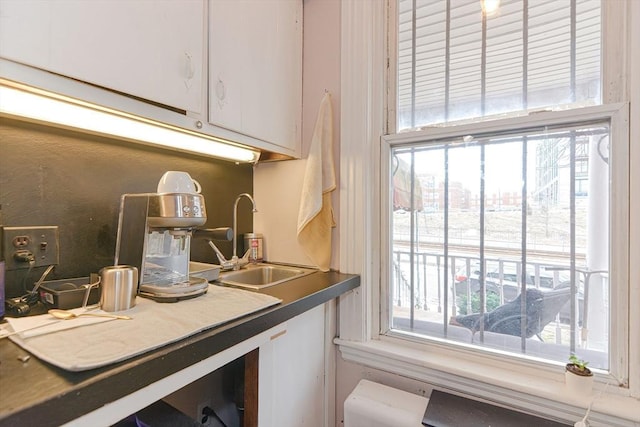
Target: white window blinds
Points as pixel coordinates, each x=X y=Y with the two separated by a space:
x=455 y=63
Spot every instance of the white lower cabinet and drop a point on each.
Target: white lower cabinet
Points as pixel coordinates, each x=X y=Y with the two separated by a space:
x=291 y=379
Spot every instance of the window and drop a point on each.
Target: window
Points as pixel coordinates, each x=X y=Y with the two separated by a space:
x=493 y=265
x=500 y=235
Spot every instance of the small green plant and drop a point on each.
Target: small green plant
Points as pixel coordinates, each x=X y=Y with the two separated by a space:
x=581 y=364
x=492 y=302
x=578 y=366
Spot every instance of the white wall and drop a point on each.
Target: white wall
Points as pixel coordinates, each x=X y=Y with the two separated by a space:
x=277 y=186
x=350 y=373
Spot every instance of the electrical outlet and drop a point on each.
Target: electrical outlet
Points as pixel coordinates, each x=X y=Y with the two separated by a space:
x=200 y=416
x=20 y=245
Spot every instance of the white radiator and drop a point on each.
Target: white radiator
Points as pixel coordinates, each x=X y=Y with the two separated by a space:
x=375 y=405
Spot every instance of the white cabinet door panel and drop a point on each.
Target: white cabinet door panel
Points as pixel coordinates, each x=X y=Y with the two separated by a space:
x=255 y=68
x=146 y=48
x=292 y=373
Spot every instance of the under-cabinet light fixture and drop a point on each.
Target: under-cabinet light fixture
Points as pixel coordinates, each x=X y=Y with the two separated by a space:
x=25 y=102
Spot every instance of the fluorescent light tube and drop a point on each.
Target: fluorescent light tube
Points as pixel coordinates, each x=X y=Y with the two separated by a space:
x=58 y=110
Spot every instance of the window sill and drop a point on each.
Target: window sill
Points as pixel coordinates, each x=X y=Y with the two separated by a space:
x=539 y=391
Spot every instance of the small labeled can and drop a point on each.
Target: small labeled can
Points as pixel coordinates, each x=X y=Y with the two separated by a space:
x=253 y=242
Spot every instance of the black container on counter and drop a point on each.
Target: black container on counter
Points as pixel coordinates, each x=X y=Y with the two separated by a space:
x=68 y=293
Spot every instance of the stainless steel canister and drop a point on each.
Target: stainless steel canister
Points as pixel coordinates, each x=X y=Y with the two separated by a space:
x=119 y=287
x=253 y=242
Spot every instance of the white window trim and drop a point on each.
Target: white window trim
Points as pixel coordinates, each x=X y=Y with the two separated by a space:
x=363 y=59
x=618 y=117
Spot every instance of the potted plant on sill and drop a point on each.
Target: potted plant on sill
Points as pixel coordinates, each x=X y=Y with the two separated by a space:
x=578 y=378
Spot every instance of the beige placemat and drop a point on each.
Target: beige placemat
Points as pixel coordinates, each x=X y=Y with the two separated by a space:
x=98 y=342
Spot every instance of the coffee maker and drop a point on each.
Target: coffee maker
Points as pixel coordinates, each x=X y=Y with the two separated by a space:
x=154 y=235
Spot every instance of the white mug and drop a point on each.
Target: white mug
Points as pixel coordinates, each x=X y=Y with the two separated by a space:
x=178 y=182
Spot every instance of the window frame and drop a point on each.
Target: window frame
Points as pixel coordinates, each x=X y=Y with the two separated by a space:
x=364 y=91
x=617 y=115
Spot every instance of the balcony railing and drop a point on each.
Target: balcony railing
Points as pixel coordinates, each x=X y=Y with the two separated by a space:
x=438 y=297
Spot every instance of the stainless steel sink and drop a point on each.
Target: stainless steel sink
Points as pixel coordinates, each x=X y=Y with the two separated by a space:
x=257 y=276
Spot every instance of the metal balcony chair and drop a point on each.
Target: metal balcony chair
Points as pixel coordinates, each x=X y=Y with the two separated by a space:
x=541 y=309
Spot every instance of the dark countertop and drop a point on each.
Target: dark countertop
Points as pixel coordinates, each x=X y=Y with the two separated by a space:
x=37 y=393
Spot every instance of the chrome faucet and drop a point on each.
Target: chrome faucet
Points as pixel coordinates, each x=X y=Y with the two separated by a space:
x=234 y=258
x=223 y=234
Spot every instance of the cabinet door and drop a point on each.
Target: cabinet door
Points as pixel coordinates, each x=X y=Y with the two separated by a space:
x=292 y=374
x=146 y=48
x=255 y=69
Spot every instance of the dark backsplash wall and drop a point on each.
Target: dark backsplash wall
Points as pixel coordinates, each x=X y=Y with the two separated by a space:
x=50 y=176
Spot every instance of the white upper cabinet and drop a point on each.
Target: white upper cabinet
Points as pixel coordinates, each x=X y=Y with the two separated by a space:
x=255 y=69
x=163 y=52
x=146 y=48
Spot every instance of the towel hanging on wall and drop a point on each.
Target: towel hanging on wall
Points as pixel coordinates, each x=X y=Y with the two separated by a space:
x=315 y=216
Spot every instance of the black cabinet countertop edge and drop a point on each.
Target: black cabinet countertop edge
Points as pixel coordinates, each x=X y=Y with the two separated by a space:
x=37 y=393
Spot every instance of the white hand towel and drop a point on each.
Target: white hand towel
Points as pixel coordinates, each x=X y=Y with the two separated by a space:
x=315 y=216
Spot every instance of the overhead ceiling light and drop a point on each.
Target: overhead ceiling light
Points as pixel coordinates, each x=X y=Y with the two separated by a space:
x=24 y=102
x=490 y=7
